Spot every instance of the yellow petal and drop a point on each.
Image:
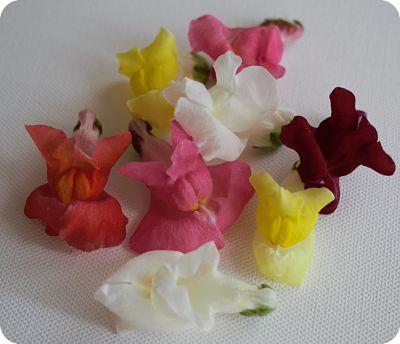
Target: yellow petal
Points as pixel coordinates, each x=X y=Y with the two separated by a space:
x=154 y=109
x=286 y=265
x=285 y=218
x=153 y=67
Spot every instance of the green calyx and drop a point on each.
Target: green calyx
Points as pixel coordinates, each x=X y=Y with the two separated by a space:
x=201 y=69
x=281 y=22
x=260 y=311
x=274 y=138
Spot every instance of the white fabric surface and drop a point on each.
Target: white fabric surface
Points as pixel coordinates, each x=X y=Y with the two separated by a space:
x=57 y=57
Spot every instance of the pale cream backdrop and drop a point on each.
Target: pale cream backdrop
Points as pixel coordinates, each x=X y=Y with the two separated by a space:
x=57 y=57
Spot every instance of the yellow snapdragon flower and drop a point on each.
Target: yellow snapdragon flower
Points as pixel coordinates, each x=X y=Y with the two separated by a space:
x=283 y=244
x=150 y=70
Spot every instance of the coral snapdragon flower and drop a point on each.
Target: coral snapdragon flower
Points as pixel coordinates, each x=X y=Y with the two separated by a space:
x=73 y=203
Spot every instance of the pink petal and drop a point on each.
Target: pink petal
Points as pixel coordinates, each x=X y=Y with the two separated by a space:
x=178 y=134
x=210 y=35
x=232 y=190
x=257 y=46
x=164 y=229
x=86 y=132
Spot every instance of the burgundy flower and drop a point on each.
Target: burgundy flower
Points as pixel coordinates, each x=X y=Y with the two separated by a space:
x=340 y=144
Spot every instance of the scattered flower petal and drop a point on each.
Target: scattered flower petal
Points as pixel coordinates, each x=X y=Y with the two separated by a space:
x=221 y=120
x=171 y=291
x=285 y=222
x=189 y=204
x=340 y=144
x=257 y=46
x=73 y=204
x=153 y=67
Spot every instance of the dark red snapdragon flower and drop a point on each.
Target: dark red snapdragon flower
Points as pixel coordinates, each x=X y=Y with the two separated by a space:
x=340 y=144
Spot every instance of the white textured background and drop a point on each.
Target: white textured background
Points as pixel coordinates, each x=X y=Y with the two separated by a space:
x=57 y=57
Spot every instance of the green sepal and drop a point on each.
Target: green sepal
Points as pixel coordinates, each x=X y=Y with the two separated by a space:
x=201 y=69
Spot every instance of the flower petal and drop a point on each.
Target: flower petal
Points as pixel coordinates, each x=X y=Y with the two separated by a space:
x=90 y=225
x=252 y=94
x=195 y=91
x=214 y=140
x=43 y=204
x=286 y=265
x=164 y=290
x=286 y=218
x=87 y=133
x=166 y=229
x=152 y=108
x=149 y=147
x=126 y=293
x=85 y=225
x=210 y=35
x=153 y=67
x=231 y=191
x=226 y=66
x=257 y=46
x=261 y=46
x=265 y=134
x=299 y=136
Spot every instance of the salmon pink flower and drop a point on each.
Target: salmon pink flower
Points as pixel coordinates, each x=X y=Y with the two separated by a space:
x=340 y=144
x=73 y=203
x=171 y=291
x=257 y=46
x=191 y=203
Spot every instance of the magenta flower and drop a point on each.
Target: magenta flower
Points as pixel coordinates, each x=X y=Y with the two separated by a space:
x=191 y=203
x=257 y=46
x=340 y=144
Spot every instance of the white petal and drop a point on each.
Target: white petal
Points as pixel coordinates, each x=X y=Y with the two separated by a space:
x=165 y=290
x=127 y=293
x=225 y=67
x=193 y=90
x=254 y=96
x=214 y=140
x=272 y=123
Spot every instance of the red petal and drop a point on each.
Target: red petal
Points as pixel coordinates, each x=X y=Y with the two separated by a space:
x=85 y=225
x=343 y=106
x=90 y=225
x=44 y=205
x=377 y=159
x=109 y=149
x=299 y=136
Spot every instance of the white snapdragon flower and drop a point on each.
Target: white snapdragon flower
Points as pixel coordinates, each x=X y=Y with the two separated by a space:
x=169 y=291
x=223 y=118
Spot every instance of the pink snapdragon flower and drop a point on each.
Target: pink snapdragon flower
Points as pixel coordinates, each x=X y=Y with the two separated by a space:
x=260 y=45
x=191 y=203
